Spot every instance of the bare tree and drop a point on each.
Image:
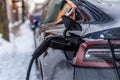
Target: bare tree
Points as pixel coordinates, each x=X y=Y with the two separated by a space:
x=4 y=30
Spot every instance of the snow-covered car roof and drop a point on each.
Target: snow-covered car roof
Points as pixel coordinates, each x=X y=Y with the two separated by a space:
x=108 y=1
x=111 y=1
x=111 y=7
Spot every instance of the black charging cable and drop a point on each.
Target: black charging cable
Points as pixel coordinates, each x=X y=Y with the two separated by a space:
x=114 y=58
x=39 y=51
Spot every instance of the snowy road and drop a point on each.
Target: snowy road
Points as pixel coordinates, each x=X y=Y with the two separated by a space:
x=15 y=55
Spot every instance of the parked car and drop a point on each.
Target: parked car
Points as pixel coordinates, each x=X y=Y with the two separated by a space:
x=91 y=45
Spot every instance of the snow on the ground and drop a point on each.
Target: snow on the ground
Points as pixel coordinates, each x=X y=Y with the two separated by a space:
x=15 y=55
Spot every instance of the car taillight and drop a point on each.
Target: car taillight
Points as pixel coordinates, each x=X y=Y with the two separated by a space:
x=97 y=54
x=101 y=55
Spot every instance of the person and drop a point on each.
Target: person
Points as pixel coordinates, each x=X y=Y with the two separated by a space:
x=36 y=21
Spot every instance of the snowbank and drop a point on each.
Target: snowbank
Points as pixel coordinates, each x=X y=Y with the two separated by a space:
x=15 y=55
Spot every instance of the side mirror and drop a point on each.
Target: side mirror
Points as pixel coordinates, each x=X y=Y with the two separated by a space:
x=71 y=24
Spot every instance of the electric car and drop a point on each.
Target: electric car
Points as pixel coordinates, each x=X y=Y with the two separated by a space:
x=87 y=50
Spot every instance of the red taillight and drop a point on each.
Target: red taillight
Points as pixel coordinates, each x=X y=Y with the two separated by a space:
x=96 y=54
x=100 y=55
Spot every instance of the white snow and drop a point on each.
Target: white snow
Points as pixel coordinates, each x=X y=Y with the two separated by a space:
x=15 y=55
